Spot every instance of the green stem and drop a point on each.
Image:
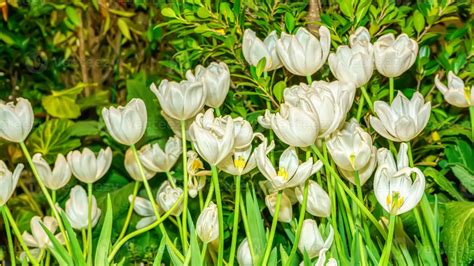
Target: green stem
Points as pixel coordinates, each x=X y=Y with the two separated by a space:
x=246 y=227
x=471 y=114
x=392 y=89
x=185 y=185
x=360 y=220
x=11 y=248
x=309 y=79
x=209 y=195
x=384 y=259
x=218 y=111
x=130 y=211
x=171 y=180
x=367 y=98
x=89 y=224
x=215 y=180
x=359 y=108
x=203 y=253
x=300 y=223
x=268 y=249
x=53 y=196
x=235 y=227
x=84 y=242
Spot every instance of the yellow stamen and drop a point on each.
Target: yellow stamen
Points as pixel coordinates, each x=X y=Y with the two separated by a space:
x=352 y=158
x=283 y=173
x=239 y=163
x=196 y=165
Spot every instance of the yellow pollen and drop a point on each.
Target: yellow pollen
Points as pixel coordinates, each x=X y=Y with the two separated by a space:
x=196 y=165
x=283 y=173
x=395 y=201
x=239 y=163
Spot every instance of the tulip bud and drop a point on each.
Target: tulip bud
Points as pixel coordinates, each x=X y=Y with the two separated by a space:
x=394 y=56
x=157 y=160
x=216 y=81
x=167 y=197
x=87 y=167
x=207 y=225
x=196 y=184
x=126 y=124
x=311 y=239
x=254 y=50
x=286 y=210
x=38 y=238
x=17 y=120
x=403 y=120
x=244 y=256
x=318 y=203
x=144 y=209
x=133 y=169
x=456 y=93
x=77 y=209
x=8 y=181
x=58 y=177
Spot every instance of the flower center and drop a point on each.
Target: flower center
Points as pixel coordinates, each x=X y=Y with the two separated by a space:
x=239 y=162
x=395 y=201
x=352 y=159
x=196 y=165
x=283 y=173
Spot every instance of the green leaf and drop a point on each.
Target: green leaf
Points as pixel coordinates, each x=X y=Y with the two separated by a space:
x=73 y=15
x=84 y=128
x=443 y=182
x=278 y=89
x=104 y=242
x=71 y=235
x=466 y=177
x=62 y=104
x=261 y=67
x=58 y=251
x=122 y=24
x=159 y=253
x=257 y=231
x=6 y=38
x=457 y=236
x=168 y=12
x=203 y=12
x=289 y=22
x=418 y=21
x=346 y=8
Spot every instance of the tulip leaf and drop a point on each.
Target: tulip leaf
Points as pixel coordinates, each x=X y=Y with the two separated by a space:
x=457 y=236
x=159 y=253
x=103 y=244
x=257 y=231
x=58 y=251
x=443 y=182
x=71 y=235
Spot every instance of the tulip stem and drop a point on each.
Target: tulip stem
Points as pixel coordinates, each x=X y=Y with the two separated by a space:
x=210 y=193
x=367 y=98
x=11 y=248
x=235 y=227
x=268 y=249
x=84 y=242
x=300 y=223
x=89 y=223
x=392 y=89
x=384 y=259
x=203 y=253
x=246 y=228
x=360 y=107
x=130 y=210
x=170 y=179
x=6 y=213
x=53 y=196
x=309 y=79
x=215 y=180
x=360 y=220
x=185 y=184
x=471 y=114
x=45 y=193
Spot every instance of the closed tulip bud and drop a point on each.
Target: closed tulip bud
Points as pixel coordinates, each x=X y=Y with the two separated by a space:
x=352 y=150
x=126 y=124
x=456 y=93
x=56 y=178
x=38 y=239
x=167 y=196
x=183 y=100
x=254 y=50
x=286 y=210
x=144 y=209
x=77 y=209
x=403 y=120
x=87 y=167
x=216 y=81
x=394 y=56
x=312 y=241
x=133 y=168
x=393 y=185
x=213 y=137
x=207 y=225
x=303 y=54
x=290 y=172
x=17 y=120
x=244 y=256
x=318 y=203
x=158 y=160
x=8 y=181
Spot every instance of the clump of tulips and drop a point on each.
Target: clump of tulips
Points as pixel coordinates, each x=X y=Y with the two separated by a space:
x=328 y=160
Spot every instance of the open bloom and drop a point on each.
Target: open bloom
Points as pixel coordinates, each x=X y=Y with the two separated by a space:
x=244 y=256
x=403 y=120
x=311 y=239
x=87 y=167
x=158 y=160
x=197 y=174
x=318 y=203
x=254 y=50
x=8 y=181
x=213 y=137
x=290 y=172
x=126 y=124
x=38 y=239
x=456 y=93
x=144 y=209
x=133 y=169
x=17 y=120
x=286 y=210
x=56 y=178
x=77 y=209
x=167 y=196
x=183 y=100
x=394 y=56
x=216 y=81
x=303 y=54
x=207 y=225
x=393 y=186
x=352 y=150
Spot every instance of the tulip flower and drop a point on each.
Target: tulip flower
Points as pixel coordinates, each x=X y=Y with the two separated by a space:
x=56 y=178
x=126 y=124
x=243 y=133
x=352 y=150
x=87 y=167
x=213 y=137
x=196 y=184
x=38 y=239
x=133 y=169
x=157 y=160
x=17 y=120
x=183 y=100
x=216 y=81
x=265 y=120
x=403 y=120
x=286 y=211
x=311 y=239
x=195 y=166
x=393 y=185
x=303 y=54
x=144 y=209
x=8 y=181
x=456 y=93
x=318 y=203
x=290 y=172
x=167 y=196
x=207 y=225
x=394 y=56
x=360 y=37
x=254 y=50
x=76 y=209
x=244 y=256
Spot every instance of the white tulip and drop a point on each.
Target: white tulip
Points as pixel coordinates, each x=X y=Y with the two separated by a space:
x=167 y=196
x=16 y=120
x=244 y=256
x=265 y=120
x=196 y=184
x=311 y=239
x=243 y=133
x=216 y=81
x=87 y=167
x=195 y=166
x=158 y=160
x=394 y=56
x=290 y=172
x=207 y=225
x=133 y=169
x=352 y=150
x=456 y=93
x=77 y=209
x=303 y=54
x=8 y=181
x=183 y=100
x=126 y=124
x=360 y=37
x=213 y=137
x=38 y=239
x=403 y=120
x=56 y=178
x=318 y=203
x=144 y=209
x=286 y=210
x=393 y=186
x=254 y=50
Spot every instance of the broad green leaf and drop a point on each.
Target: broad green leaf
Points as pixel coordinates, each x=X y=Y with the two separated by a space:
x=168 y=12
x=278 y=89
x=457 y=237
x=418 y=21
x=104 y=242
x=443 y=182
x=289 y=22
x=466 y=177
x=62 y=104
